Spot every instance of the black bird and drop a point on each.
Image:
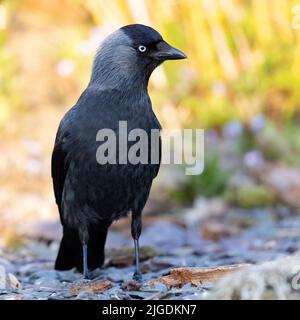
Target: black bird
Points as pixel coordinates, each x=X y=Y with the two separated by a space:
x=89 y=195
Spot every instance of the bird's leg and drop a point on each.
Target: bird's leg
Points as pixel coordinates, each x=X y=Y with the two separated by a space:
x=84 y=238
x=137 y=274
x=85 y=263
x=136 y=228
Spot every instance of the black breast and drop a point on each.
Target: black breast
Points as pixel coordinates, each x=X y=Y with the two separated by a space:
x=93 y=191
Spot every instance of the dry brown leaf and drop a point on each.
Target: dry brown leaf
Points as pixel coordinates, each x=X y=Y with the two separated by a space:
x=195 y=276
x=90 y=286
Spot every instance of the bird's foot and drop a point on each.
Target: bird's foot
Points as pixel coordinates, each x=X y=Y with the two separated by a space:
x=137 y=276
x=86 y=275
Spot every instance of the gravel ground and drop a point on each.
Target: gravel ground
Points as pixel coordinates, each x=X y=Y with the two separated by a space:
x=26 y=273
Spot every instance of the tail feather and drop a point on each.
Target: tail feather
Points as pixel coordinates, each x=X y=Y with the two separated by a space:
x=70 y=252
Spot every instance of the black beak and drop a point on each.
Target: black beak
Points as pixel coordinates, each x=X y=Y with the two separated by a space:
x=166 y=52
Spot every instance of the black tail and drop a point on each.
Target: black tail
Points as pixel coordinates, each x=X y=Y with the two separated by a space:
x=70 y=252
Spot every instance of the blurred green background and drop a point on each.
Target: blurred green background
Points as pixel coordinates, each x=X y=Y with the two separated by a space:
x=241 y=83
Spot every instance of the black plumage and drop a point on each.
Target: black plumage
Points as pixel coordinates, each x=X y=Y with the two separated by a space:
x=90 y=196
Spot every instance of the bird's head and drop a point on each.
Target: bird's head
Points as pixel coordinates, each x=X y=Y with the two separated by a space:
x=129 y=55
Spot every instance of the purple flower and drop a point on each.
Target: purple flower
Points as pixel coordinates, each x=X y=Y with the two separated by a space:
x=253 y=159
x=258 y=123
x=212 y=135
x=233 y=129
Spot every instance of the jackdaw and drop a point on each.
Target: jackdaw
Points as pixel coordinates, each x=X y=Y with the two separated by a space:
x=91 y=195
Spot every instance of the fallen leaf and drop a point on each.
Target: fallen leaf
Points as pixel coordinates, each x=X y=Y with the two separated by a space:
x=98 y=286
x=178 y=277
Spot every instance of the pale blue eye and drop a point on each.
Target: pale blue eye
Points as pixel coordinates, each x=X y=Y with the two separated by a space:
x=142 y=48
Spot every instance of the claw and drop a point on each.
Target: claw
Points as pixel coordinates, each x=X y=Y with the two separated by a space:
x=137 y=276
x=86 y=275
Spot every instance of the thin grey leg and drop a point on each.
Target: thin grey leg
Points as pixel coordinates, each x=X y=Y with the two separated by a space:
x=85 y=264
x=136 y=228
x=137 y=274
